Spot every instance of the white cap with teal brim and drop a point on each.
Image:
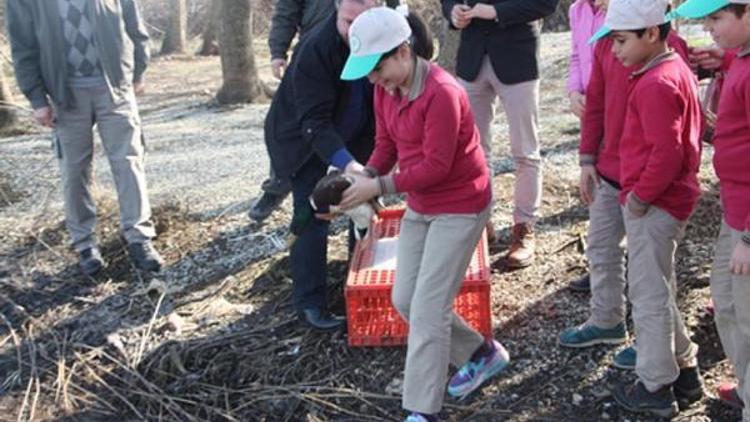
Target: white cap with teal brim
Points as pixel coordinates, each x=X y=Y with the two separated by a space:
x=696 y=9
x=628 y=15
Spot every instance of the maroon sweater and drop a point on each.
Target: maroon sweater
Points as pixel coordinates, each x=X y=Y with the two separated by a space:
x=660 y=148
x=431 y=134
x=606 y=98
x=732 y=143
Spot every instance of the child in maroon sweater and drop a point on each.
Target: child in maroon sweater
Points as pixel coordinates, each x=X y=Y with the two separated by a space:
x=659 y=160
x=729 y=25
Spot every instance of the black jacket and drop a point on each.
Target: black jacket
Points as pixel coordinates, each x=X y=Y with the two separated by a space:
x=512 y=42
x=313 y=110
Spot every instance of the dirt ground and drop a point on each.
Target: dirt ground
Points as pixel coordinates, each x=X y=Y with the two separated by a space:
x=213 y=337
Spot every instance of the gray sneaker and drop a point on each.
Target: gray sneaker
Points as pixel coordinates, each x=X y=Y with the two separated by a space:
x=636 y=398
x=91 y=261
x=145 y=257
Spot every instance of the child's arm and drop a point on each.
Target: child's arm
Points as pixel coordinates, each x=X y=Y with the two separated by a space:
x=385 y=155
x=575 y=79
x=439 y=144
x=592 y=130
x=661 y=117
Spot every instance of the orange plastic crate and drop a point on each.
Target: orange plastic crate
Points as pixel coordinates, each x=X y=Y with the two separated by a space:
x=371 y=318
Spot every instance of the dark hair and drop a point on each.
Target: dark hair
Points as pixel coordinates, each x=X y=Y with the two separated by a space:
x=663 y=31
x=736 y=8
x=420 y=40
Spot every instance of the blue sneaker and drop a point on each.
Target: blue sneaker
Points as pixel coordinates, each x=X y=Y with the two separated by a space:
x=587 y=335
x=478 y=370
x=625 y=359
x=421 y=417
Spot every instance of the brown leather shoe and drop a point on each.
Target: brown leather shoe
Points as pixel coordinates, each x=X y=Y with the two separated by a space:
x=521 y=252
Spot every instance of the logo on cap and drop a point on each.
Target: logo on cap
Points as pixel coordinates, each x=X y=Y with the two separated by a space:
x=354 y=43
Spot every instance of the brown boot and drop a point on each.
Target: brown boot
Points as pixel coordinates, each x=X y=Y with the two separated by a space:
x=521 y=252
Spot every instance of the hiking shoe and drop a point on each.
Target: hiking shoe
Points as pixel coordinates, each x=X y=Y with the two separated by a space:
x=689 y=385
x=625 y=359
x=581 y=285
x=145 y=257
x=727 y=393
x=522 y=246
x=636 y=398
x=91 y=261
x=421 y=417
x=586 y=335
x=478 y=369
x=265 y=205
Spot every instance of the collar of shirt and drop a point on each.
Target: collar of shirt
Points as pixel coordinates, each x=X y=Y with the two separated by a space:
x=745 y=51
x=656 y=61
x=421 y=70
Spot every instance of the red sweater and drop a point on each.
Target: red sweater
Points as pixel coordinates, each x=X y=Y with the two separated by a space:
x=732 y=144
x=606 y=98
x=660 y=149
x=441 y=165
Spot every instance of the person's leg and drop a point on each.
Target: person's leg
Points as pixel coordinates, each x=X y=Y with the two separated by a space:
x=652 y=241
x=410 y=249
x=308 y=254
x=731 y=296
x=482 y=98
x=521 y=104
x=606 y=256
x=75 y=148
x=275 y=190
x=436 y=334
x=120 y=130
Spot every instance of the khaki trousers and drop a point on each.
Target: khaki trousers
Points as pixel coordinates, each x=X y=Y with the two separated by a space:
x=663 y=343
x=119 y=127
x=606 y=257
x=434 y=252
x=731 y=295
x=521 y=104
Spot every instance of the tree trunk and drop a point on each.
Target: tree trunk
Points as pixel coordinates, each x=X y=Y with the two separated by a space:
x=7 y=115
x=175 y=38
x=210 y=45
x=240 y=76
x=449 y=40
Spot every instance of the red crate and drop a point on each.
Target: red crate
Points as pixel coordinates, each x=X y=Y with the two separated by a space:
x=371 y=318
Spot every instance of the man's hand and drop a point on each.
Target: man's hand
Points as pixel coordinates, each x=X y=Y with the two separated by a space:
x=589 y=181
x=739 y=264
x=278 y=67
x=139 y=88
x=483 y=11
x=460 y=16
x=45 y=116
x=362 y=190
x=577 y=103
x=356 y=169
x=709 y=58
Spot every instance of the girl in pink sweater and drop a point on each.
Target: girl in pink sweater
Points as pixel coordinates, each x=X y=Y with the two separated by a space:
x=586 y=17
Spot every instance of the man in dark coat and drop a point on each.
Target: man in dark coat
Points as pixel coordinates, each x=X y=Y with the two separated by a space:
x=317 y=120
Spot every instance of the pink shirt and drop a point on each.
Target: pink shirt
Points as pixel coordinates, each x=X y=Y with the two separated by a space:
x=585 y=20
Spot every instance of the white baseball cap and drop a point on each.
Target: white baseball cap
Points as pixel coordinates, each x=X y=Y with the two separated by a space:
x=695 y=9
x=627 y=15
x=375 y=32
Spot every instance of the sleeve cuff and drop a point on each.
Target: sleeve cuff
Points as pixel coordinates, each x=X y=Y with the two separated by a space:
x=341 y=158
x=371 y=171
x=387 y=184
x=746 y=237
x=587 y=159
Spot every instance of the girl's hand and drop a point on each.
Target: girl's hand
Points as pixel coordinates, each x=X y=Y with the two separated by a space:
x=362 y=190
x=577 y=103
x=739 y=264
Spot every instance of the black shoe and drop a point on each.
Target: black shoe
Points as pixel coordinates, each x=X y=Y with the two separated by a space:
x=145 y=257
x=582 y=285
x=265 y=205
x=319 y=320
x=91 y=261
x=689 y=385
x=636 y=398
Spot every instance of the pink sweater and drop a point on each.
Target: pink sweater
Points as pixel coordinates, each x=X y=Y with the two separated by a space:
x=585 y=20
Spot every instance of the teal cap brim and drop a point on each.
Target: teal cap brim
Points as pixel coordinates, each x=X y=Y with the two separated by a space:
x=359 y=67
x=695 y=9
x=601 y=33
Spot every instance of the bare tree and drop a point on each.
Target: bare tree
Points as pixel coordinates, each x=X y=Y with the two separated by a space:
x=175 y=38
x=210 y=46
x=240 y=76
